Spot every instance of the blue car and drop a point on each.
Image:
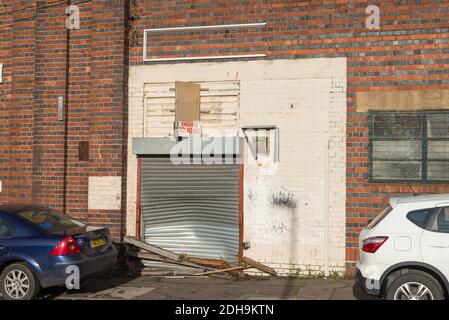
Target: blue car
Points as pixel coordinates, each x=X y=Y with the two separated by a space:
x=40 y=248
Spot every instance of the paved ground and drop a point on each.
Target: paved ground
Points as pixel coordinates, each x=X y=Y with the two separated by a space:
x=148 y=287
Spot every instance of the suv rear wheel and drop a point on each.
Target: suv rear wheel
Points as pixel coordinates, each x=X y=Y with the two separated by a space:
x=415 y=285
x=18 y=282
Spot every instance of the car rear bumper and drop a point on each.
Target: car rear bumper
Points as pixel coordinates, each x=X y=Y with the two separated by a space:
x=369 y=286
x=88 y=266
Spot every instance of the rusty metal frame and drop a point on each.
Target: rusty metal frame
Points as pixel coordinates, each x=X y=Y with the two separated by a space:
x=138 y=211
x=241 y=216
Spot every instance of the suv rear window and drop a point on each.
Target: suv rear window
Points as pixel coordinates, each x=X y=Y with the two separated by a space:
x=421 y=217
x=443 y=220
x=50 y=221
x=379 y=217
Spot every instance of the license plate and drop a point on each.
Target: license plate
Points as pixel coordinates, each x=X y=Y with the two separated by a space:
x=98 y=242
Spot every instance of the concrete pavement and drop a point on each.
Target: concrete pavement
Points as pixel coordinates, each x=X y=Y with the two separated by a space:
x=150 y=287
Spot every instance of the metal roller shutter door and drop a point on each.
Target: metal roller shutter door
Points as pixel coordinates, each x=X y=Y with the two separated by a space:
x=191 y=209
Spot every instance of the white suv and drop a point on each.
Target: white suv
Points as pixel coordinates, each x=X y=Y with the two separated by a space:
x=404 y=251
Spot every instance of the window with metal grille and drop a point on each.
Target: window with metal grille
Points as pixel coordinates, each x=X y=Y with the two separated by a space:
x=409 y=146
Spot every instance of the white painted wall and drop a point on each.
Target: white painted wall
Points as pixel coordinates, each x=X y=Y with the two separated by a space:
x=306 y=99
x=105 y=193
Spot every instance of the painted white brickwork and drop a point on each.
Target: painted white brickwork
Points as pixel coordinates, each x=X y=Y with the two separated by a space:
x=286 y=209
x=105 y=193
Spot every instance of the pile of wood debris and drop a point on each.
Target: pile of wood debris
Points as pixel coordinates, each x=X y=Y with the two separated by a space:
x=142 y=251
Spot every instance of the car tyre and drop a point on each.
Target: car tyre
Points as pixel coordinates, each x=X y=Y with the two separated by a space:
x=414 y=285
x=18 y=282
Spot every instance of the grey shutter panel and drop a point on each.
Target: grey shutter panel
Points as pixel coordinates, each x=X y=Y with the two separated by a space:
x=191 y=209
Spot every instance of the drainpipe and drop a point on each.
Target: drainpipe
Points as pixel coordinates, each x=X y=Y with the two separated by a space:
x=326 y=211
x=66 y=117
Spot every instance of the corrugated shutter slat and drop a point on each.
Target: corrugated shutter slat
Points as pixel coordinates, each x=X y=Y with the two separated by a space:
x=191 y=209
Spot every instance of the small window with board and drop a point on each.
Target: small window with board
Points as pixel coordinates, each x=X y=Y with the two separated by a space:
x=263 y=142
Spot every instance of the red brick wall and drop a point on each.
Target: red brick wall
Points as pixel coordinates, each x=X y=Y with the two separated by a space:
x=39 y=153
x=410 y=51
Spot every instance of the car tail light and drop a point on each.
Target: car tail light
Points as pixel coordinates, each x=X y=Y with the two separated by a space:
x=371 y=245
x=66 y=247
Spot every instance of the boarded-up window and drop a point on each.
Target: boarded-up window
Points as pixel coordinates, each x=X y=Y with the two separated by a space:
x=263 y=142
x=409 y=146
x=219 y=105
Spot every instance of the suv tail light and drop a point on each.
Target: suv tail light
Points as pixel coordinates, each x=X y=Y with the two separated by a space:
x=371 y=245
x=66 y=247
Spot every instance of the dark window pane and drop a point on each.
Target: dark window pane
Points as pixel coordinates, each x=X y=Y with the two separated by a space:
x=397 y=150
x=443 y=221
x=421 y=217
x=397 y=170
x=397 y=125
x=438 y=150
x=438 y=170
x=51 y=221
x=438 y=125
x=5 y=232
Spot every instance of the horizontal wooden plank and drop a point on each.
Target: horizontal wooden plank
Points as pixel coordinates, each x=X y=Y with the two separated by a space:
x=259 y=266
x=222 y=271
x=152 y=248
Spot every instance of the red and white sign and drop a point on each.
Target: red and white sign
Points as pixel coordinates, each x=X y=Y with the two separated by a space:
x=188 y=128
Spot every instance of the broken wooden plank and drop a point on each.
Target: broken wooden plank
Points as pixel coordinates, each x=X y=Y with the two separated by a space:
x=236 y=274
x=259 y=266
x=214 y=263
x=154 y=257
x=144 y=255
x=152 y=248
x=170 y=266
x=166 y=272
x=222 y=270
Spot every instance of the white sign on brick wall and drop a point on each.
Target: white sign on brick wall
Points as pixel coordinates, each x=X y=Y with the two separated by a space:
x=105 y=193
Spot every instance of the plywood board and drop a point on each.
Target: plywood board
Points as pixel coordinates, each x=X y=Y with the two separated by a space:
x=404 y=100
x=187 y=101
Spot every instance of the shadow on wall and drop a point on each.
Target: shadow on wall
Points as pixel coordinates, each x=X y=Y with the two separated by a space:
x=283 y=198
